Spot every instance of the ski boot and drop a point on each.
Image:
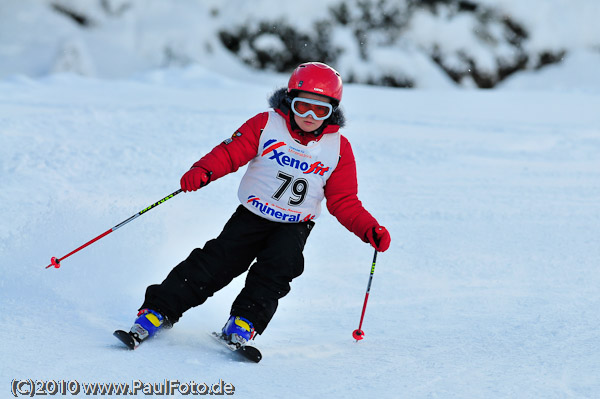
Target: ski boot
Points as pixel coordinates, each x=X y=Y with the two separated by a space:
x=238 y=331
x=145 y=326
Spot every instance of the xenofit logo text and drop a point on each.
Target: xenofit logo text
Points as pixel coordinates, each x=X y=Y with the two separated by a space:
x=272 y=146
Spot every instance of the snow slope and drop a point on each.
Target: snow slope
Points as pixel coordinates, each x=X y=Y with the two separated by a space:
x=490 y=288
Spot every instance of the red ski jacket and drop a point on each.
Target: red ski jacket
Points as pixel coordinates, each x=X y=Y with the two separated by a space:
x=341 y=189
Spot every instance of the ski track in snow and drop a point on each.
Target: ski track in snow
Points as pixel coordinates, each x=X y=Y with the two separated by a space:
x=490 y=288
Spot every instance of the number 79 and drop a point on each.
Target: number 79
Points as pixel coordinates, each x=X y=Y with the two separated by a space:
x=299 y=188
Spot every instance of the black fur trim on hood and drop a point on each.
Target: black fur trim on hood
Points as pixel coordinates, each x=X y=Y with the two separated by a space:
x=282 y=101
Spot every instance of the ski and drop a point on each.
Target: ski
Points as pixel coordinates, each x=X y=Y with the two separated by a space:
x=249 y=352
x=126 y=338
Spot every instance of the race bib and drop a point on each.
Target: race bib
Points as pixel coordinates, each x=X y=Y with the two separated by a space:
x=285 y=181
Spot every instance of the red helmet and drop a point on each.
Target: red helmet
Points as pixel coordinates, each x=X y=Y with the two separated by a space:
x=317 y=78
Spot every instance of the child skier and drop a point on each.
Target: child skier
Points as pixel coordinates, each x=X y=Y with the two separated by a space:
x=296 y=158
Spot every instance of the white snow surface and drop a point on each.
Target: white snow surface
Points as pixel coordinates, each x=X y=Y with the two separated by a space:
x=489 y=290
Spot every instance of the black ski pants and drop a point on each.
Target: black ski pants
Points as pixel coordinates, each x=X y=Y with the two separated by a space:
x=277 y=248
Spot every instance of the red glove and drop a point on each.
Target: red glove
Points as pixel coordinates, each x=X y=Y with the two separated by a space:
x=194 y=179
x=379 y=238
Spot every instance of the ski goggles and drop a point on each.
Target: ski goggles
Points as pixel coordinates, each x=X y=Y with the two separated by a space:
x=319 y=110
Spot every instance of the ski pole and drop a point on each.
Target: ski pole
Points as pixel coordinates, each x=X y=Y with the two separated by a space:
x=358 y=334
x=54 y=261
